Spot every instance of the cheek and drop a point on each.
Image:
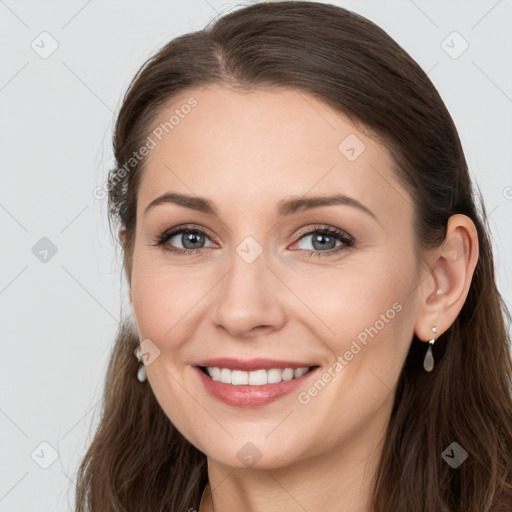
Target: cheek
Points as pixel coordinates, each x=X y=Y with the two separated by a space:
x=152 y=297
x=357 y=303
x=169 y=303
x=372 y=318
x=162 y=304
x=370 y=315
x=150 y=302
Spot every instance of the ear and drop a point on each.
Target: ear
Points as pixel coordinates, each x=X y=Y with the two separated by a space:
x=443 y=292
x=122 y=240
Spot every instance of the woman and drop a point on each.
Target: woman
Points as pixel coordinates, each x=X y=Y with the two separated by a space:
x=316 y=324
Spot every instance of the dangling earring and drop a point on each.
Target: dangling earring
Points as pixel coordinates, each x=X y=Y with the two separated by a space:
x=141 y=372
x=428 y=362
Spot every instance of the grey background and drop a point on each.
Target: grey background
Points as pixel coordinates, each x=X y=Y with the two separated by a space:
x=59 y=317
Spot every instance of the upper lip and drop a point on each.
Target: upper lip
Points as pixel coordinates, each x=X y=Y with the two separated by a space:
x=251 y=364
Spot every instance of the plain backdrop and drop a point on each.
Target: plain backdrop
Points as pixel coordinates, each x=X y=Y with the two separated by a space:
x=61 y=290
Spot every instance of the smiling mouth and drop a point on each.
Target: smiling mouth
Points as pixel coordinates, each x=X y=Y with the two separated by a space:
x=255 y=377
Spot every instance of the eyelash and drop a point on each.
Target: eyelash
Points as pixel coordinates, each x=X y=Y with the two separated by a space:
x=347 y=241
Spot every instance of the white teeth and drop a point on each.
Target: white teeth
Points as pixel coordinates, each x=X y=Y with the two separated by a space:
x=288 y=374
x=238 y=377
x=225 y=376
x=274 y=375
x=214 y=373
x=256 y=377
x=299 y=372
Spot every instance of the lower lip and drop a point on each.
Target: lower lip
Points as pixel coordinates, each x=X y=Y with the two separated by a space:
x=251 y=396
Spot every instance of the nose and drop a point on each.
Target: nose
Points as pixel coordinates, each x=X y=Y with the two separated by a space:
x=250 y=299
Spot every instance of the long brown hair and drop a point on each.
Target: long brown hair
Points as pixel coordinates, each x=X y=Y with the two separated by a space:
x=137 y=460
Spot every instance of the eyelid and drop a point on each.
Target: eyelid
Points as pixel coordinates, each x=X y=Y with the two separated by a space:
x=185 y=227
x=323 y=228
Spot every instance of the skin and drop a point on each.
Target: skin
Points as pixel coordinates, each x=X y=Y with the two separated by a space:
x=246 y=151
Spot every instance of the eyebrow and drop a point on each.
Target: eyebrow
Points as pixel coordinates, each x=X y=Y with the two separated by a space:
x=285 y=206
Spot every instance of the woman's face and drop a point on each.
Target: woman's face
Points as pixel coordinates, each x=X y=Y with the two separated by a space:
x=263 y=286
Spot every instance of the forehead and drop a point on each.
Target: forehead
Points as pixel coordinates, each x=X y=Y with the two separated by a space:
x=258 y=147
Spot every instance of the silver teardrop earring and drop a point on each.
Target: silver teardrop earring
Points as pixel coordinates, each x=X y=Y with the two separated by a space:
x=141 y=372
x=428 y=362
